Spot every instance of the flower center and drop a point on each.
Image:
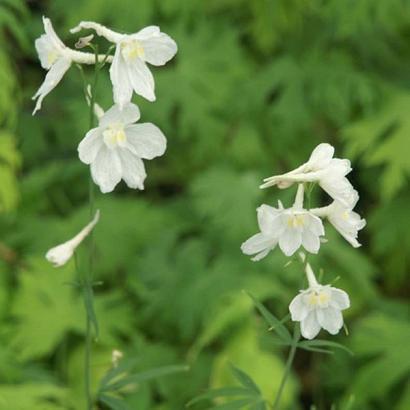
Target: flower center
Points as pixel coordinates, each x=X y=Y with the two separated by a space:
x=114 y=135
x=296 y=221
x=132 y=49
x=318 y=298
x=52 y=56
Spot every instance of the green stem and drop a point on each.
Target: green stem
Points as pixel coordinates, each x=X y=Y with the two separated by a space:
x=88 y=277
x=292 y=351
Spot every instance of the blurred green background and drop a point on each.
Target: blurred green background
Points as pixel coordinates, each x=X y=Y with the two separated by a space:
x=255 y=86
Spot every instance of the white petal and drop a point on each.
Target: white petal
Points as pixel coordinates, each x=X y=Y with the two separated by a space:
x=60 y=254
x=147 y=140
x=159 y=49
x=310 y=327
x=122 y=88
x=269 y=220
x=297 y=308
x=310 y=241
x=330 y=319
x=141 y=79
x=53 y=77
x=290 y=241
x=339 y=299
x=315 y=224
x=44 y=48
x=133 y=170
x=146 y=33
x=321 y=157
x=258 y=243
x=128 y=114
x=48 y=28
x=90 y=145
x=106 y=169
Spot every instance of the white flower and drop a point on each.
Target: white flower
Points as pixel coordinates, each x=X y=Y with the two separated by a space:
x=290 y=228
x=60 y=254
x=56 y=57
x=344 y=219
x=129 y=71
x=330 y=173
x=50 y=50
x=319 y=306
x=115 y=148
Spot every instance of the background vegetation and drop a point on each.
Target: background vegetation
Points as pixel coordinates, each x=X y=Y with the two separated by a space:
x=254 y=87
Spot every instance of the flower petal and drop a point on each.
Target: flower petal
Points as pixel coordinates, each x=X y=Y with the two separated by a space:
x=159 y=49
x=310 y=241
x=146 y=140
x=90 y=145
x=269 y=220
x=146 y=33
x=339 y=299
x=330 y=319
x=53 y=77
x=122 y=88
x=320 y=157
x=106 y=169
x=297 y=308
x=290 y=241
x=141 y=79
x=133 y=170
x=309 y=327
x=128 y=114
x=258 y=244
x=315 y=224
x=49 y=30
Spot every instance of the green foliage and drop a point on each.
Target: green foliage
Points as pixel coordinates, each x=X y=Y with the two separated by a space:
x=254 y=87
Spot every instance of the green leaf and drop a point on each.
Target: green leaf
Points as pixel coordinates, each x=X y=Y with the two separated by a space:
x=273 y=321
x=222 y=392
x=45 y=308
x=144 y=376
x=323 y=343
x=245 y=379
x=112 y=402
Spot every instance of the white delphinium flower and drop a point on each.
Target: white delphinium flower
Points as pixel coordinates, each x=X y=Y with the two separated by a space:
x=57 y=58
x=61 y=254
x=116 y=147
x=344 y=219
x=319 y=306
x=129 y=71
x=330 y=173
x=290 y=228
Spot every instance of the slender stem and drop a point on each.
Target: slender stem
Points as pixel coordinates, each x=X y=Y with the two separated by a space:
x=88 y=277
x=292 y=351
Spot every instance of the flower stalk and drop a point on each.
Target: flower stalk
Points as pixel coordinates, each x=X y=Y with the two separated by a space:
x=288 y=367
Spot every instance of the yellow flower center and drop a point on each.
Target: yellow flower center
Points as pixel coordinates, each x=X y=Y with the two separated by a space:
x=114 y=135
x=132 y=49
x=52 y=57
x=296 y=221
x=318 y=298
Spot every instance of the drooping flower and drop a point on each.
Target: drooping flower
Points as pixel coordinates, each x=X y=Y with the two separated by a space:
x=116 y=147
x=129 y=71
x=61 y=254
x=344 y=219
x=330 y=173
x=319 y=306
x=50 y=50
x=57 y=58
x=290 y=228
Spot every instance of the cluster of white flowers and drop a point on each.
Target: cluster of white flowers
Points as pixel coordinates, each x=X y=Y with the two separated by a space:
x=115 y=148
x=295 y=227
